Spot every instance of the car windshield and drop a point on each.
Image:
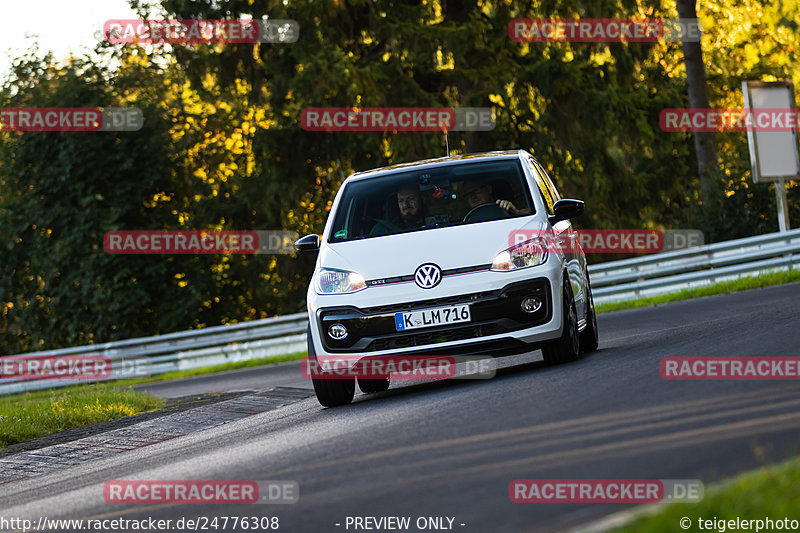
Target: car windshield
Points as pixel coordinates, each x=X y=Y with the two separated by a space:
x=418 y=200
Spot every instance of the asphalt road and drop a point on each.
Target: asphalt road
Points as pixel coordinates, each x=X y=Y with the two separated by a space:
x=450 y=449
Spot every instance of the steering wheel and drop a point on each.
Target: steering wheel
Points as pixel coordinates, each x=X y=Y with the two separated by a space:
x=390 y=226
x=488 y=211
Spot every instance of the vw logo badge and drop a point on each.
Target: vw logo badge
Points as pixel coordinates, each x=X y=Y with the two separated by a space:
x=428 y=276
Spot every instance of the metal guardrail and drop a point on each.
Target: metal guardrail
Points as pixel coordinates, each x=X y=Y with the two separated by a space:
x=612 y=281
x=693 y=267
x=182 y=350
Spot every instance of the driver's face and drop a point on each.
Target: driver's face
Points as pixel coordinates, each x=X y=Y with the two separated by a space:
x=478 y=193
x=409 y=202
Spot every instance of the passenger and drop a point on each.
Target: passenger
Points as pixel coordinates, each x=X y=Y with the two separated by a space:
x=412 y=215
x=409 y=201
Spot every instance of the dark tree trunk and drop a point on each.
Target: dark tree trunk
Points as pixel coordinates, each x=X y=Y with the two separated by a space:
x=704 y=142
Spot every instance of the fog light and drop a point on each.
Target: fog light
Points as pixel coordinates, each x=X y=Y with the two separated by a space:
x=337 y=331
x=531 y=305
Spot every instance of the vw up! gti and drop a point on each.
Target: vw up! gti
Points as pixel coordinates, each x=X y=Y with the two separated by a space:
x=405 y=241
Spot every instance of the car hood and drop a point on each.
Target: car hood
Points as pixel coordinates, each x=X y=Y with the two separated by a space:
x=449 y=247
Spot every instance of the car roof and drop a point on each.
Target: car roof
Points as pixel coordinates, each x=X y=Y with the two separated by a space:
x=440 y=161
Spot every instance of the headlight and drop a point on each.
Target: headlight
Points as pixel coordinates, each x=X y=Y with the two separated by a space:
x=330 y=281
x=523 y=255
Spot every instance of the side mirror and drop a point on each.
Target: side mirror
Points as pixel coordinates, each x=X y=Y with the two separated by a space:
x=566 y=209
x=307 y=245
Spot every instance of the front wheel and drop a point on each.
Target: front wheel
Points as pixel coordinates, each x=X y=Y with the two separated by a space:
x=567 y=347
x=331 y=392
x=334 y=392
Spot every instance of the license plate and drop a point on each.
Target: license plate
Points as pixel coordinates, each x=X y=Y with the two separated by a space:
x=425 y=318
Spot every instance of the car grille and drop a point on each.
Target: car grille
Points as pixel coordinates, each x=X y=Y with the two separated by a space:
x=434 y=337
x=450 y=300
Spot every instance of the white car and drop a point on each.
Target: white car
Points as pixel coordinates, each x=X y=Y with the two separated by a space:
x=417 y=259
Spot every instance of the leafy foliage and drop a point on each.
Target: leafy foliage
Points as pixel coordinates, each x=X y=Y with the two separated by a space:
x=222 y=146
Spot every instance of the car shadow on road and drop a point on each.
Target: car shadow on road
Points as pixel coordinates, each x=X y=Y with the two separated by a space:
x=508 y=367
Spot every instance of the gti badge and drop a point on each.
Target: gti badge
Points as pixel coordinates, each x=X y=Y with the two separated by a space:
x=428 y=275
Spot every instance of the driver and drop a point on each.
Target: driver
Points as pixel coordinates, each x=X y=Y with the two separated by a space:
x=479 y=192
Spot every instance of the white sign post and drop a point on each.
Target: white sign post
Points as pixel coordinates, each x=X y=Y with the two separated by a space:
x=773 y=154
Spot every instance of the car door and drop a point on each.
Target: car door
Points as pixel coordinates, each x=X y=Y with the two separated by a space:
x=575 y=260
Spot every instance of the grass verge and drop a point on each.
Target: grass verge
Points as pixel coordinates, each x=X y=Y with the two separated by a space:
x=723 y=287
x=770 y=491
x=34 y=414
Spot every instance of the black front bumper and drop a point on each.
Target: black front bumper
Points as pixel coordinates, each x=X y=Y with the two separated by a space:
x=493 y=312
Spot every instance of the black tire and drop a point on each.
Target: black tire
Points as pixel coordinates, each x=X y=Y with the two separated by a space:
x=567 y=347
x=330 y=392
x=590 y=337
x=368 y=386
